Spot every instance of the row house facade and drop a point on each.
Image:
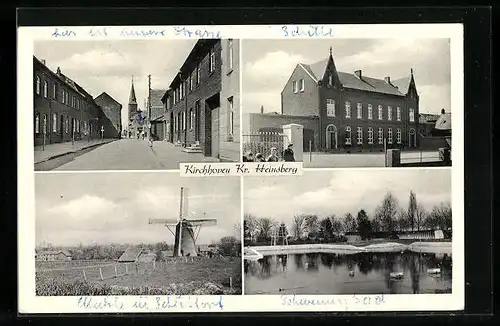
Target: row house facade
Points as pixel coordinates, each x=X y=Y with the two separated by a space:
x=353 y=112
x=199 y=112
x=110 y=115
x=63 y=110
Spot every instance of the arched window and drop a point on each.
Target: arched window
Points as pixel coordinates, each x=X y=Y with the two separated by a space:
x=37 y=123
x=348 y=135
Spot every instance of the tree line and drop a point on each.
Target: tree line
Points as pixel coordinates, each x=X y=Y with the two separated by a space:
x=388 y=217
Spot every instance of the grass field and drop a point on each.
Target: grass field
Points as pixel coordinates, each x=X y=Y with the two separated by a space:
x=175 y=276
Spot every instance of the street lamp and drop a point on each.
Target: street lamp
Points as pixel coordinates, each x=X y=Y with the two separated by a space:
x=183 y=80
x=102 y=133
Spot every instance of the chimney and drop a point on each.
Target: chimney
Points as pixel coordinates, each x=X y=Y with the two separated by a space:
x=262 y=109
x=358 y=73
x=442 y=111
x=387 y=79
x=43 y=61
x=58 y=70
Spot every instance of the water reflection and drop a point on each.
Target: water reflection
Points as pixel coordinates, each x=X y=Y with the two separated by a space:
x=340 y=274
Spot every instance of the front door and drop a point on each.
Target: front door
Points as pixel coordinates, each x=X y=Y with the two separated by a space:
x=61 y=127
x=333 y=140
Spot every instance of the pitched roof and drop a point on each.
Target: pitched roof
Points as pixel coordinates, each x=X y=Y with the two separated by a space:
x=350 y=80
x=428 y=118
x=106 y=97
x=131 y=254
x=131 y=98
x=156 y=96
x=55 y=252
x=444 y=122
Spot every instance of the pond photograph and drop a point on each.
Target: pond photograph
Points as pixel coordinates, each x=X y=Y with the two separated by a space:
x=349 y=232
x=362 y=273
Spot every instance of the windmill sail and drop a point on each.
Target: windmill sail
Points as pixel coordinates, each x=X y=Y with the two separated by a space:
x=185 y=204
x=202 y=222
x=163 y=221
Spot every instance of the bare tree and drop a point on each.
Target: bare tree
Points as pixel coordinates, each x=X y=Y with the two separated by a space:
x=298 y=226
x=349 y=223
x=237 y=230
x=336 y=225
x=412 y=207
x=312 y=225
x=265 y=225
x=251 y=227
x=420 y=215
x=402 y=220
x=387 y=212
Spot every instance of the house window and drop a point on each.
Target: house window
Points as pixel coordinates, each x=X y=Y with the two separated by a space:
x=77 y=104
x=330 y=107
x=347 y=109
x=389 y=113
x=360 y=136
x=230 y=54
x=191 y=118
x=38 y=85
x=360 y=111
x=45 y=89
x=389 y=136
x=380 y=112
x=183 y=120
x=330 y=80
x=198 y=74
x=44 y=123
x=77 y=125
x=66 y=125
x=380 y=135
x=412 y=115
x=54 y=91
x=175 y=99
x=348 y=135
x=398 y=113
x=370 y=135
x=73 y=122
x=66 y=98
x=231 y=115
x=370 y=111
x=191 y=83
x=37 y=123
x=212 y=60
x=73 y=102
x=54 y=122
x=294 y=86
x=302 y=86
x=398 y=135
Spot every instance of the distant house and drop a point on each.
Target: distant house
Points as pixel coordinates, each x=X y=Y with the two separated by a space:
x=53 y=255
x=204 y=250
x=157 y=119
x=136 y=255
x=167 y=253
x=427 y=123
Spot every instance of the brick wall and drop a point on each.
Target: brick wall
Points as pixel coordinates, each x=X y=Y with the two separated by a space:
x=209 y=86
x=230 y=88
x=258 y=122
x=49 y=106
x=340 y=121
x=302 y=103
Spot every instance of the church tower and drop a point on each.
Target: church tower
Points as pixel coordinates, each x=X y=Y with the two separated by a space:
x=132 y=103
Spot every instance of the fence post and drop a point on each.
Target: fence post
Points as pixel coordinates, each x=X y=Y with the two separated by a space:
x=116 y=272
x=231 y=282
x=84 y=276
x=100 y=272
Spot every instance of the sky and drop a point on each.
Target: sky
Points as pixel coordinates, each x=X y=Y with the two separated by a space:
x=269 y=63
x=108 y=66
x=342 y=191
x=108 y=207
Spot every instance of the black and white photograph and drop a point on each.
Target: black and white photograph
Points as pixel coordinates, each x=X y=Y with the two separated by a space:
x=137 y=234
x=135 y=104
x=347 y=102
x=349 y=232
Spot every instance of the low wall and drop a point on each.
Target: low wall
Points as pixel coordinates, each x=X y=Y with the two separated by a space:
x=427 y=247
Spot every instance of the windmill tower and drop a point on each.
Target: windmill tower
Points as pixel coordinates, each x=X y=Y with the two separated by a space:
x=186 y=230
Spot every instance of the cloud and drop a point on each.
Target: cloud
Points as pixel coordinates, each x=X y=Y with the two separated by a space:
x=271 y=65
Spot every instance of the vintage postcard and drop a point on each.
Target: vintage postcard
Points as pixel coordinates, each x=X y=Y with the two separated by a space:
x=260 y=168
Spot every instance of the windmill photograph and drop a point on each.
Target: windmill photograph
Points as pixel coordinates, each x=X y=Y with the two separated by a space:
x=137 y=234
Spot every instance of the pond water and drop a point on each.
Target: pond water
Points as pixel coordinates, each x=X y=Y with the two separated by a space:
x=362 y=273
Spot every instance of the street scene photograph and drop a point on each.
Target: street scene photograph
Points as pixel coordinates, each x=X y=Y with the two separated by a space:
x=135 y=104
x=137 y=234
x=350 y=231
x=347 y=102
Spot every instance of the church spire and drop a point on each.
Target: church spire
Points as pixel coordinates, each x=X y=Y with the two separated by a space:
x=330 y=51
x=132 y=99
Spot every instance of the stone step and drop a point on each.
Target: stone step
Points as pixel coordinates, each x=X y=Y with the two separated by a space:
x=192 y=150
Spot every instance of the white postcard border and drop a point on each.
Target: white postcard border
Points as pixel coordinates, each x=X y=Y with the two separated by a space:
x=29 y=303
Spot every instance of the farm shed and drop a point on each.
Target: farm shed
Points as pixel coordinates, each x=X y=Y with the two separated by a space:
x=53 y=255
x=167 y=253
x=133 y=255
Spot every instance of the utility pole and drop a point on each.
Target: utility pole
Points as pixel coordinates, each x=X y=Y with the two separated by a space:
x=149 y=104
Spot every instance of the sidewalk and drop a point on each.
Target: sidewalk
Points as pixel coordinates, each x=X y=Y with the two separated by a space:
x=170 y=156
x=54 y=150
